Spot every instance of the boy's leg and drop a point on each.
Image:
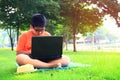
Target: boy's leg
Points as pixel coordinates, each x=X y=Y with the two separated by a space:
x=64 y=61
x=23 y=59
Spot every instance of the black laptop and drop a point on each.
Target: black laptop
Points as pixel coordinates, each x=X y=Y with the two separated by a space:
x=47 y=48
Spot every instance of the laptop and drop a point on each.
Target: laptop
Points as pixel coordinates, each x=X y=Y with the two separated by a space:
x=47 y=48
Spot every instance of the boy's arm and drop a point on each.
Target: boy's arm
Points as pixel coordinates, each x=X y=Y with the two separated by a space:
x=21 y=45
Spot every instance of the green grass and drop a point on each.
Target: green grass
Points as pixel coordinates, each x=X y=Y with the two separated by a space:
x=105 y=66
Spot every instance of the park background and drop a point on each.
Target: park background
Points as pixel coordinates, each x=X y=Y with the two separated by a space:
x=83 y=23
x=91 y=36
x=106 y=38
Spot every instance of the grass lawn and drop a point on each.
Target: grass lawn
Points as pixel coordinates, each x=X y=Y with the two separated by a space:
x=105 y=66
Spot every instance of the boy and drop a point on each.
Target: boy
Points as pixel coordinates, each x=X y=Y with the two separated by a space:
x=23 y=51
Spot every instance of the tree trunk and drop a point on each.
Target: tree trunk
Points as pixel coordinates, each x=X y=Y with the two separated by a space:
x=11 y=39
x=74 y=43
x=66 y=47
x=74 y=27
x=66 y=40
x=18 y=27
x=74 y=37
x=12 y=43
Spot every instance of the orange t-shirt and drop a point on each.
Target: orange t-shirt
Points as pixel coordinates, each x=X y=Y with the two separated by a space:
x=24 y=42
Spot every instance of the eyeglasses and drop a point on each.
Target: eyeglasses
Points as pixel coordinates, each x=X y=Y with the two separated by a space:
x=37 y=29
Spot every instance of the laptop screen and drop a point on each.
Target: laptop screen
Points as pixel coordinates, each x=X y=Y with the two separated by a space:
x=47 y=47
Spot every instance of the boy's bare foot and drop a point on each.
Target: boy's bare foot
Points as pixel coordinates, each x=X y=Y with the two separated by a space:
x=59 y=65
x=55 y=65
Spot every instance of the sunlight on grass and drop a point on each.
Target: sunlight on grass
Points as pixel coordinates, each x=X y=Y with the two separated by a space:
x=104 y=66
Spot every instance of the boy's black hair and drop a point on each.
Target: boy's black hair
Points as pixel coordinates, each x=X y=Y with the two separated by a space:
x=38 y=20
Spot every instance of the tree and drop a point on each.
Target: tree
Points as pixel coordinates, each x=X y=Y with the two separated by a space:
x=16 y=14
x=107 y=7
x=80 y=17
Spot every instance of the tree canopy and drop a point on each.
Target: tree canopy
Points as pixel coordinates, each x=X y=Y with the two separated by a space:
x=16 y=14
x=66 y=15
x=111 y=7
x=80 y=17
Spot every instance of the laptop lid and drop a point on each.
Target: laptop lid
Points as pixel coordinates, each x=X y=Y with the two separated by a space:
x=47 y=48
